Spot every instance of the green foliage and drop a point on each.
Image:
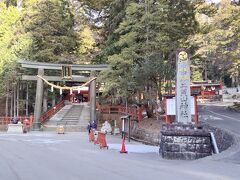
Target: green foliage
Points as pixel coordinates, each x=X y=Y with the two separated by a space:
x=86 y=41
x=141 y=48
x=8 y=44
x=137 y=38
x=50 y=24
x=218 y=42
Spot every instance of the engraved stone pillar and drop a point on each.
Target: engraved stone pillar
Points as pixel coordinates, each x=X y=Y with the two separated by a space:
x=38 y=102
x=183 y=94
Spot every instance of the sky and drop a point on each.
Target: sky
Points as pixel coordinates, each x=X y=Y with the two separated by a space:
x=216 y=1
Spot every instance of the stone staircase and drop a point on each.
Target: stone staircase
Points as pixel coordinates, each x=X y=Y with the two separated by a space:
x=74 y=118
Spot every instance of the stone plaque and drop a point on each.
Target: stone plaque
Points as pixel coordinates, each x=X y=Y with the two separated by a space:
x=183 y=105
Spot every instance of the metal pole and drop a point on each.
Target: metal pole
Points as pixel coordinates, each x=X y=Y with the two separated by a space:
x=214 y=143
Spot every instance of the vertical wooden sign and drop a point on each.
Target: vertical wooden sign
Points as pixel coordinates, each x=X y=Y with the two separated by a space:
x=183 y=93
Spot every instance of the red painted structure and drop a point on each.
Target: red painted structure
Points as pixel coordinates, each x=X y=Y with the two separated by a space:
x=136 y=112
x=205 y=89
x=45 y=116
x=23 y=119
x=8 y=120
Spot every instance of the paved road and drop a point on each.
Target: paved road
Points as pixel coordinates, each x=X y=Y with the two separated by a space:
x=217 y=114
x=48 y=156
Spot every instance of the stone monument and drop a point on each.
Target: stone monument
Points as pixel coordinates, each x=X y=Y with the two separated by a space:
x=183 y=101
x=183 y=139
x=15 y=128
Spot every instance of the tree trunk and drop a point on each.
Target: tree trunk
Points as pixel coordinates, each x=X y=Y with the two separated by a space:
x=14 y=100
x=170 y=87
x=11 y=107
x=148 y=105
x=27 y=99
x=53 y=99
x=160 y=90
x=18 y=99
x=45 y=95
x=7 y=97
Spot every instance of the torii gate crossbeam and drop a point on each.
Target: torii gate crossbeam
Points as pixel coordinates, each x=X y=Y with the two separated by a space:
x=39 y=91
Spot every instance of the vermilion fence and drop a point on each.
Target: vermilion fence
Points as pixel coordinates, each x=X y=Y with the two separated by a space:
x=45 y=116
x=136 y=112
x=8 y=120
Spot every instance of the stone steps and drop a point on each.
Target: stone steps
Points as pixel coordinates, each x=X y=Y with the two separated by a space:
x=74 y=118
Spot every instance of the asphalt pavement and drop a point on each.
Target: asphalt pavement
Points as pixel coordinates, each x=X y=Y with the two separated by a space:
x=219 y=115
x=51 y=156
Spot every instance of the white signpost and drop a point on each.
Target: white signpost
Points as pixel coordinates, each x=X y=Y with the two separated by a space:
x=171 y=106
x=183 y=93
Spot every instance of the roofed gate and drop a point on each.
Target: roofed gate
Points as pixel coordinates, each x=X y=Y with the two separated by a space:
x=67 y=76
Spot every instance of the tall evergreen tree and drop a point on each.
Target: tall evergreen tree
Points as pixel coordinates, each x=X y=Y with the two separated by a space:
x=145 y=44
x=218 y=42
x=50 y=23
x=9 y=17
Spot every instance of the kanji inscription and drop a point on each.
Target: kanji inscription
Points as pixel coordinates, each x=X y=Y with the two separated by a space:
x=183 y=105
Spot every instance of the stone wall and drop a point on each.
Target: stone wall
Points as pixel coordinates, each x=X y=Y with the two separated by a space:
x=223 y=138
x=147 y=131
x=187 y=142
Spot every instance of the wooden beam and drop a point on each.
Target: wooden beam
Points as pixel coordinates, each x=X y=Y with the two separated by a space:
x=82 y=67
x=56 y=78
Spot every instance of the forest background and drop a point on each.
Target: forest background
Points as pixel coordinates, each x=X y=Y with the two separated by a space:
x=136 y=38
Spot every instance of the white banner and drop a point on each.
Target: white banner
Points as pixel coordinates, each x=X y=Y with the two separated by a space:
x=171 y=106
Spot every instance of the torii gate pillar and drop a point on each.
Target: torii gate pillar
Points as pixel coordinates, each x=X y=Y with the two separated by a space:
x=38 y=102
x=93 y=100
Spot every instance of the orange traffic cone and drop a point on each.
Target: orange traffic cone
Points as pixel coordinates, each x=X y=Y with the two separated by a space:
x=91 y=136
x=123 y=150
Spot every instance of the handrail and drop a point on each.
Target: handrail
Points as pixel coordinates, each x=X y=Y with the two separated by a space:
x=133 y=111
x=45 y=116
x=4 y=120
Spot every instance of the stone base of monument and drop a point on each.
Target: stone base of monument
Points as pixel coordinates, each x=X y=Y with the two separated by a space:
x=15 y=128
x=184 y=142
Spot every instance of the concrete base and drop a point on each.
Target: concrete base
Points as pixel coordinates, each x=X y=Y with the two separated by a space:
x=185 y=142
x=36 y=127
x=15 y=128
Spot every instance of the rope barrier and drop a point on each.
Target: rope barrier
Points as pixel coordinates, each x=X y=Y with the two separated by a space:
x=66 y=87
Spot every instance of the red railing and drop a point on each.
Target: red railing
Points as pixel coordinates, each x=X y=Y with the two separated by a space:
x=8 y=120
x=45 y=116
x=136 y=112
